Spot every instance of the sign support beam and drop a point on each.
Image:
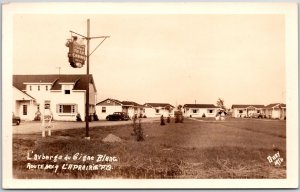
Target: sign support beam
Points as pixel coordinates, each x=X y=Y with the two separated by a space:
x=87 y=97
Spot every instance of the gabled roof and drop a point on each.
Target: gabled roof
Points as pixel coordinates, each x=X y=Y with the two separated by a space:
x=80 y=81
x=123 y=103
x=275 y=105
x=247 y=106
x=22 y=92
x=200 y=106
x=114 y=100
x=158 y=105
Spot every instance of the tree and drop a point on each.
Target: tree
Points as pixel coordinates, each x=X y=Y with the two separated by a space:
x=179 y=107
x=220 y=103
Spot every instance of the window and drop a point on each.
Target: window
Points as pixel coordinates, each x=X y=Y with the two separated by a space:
x=67 y=109
x=103 y=109
x=30 y=87
x=38 y=107
x=157 y=110
x=240 y=111
x=195 y=110
x=108 y=101
x=67 y=91
x=24 y=109
x=210 y=110
x=39 y=87
x=258 y=111
x=46 y=87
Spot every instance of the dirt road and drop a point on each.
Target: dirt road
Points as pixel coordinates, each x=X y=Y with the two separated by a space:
x=35 y=127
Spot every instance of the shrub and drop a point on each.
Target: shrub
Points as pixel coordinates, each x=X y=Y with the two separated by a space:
x=96 y=117
x=168 y=119
x=134 y=125
x=139 y=132
x=137 y=129
x=37 y=116
x=178 y=117
x=162 y=120
x=78 y=117
x=203 y=115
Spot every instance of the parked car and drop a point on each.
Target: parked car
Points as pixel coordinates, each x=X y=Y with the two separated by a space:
x=16 y=120
x=262 y=116
x=116 y=116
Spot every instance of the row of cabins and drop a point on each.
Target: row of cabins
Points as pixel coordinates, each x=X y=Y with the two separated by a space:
x=274 y=111
x=109 y=106
x=65 y=95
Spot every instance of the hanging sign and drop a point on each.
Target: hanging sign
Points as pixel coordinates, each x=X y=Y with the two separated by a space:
x=76 y=53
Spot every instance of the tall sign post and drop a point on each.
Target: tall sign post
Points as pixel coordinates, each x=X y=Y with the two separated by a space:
x=77 y=59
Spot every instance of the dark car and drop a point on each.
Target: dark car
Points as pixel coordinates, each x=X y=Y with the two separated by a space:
x=16 y=119
x=116 y=116
x=262 y=116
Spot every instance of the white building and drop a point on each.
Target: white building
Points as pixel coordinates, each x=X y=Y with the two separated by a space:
x=200 y=110
x=109 y=106
x=158 y=109
x=246 y=110
x=63 y=94
x=275 y=111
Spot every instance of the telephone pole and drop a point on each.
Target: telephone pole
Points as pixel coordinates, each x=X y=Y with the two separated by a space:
x=88 y=54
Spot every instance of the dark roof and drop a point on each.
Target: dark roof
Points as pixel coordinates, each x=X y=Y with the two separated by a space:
x=274 y=105
x=114 y=100
x=79 y=80
x=158 y=105
x=245 y=106
x=200 y=106
x=131 y=103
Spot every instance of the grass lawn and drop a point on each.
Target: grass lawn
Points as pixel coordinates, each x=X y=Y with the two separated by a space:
x=235 y=148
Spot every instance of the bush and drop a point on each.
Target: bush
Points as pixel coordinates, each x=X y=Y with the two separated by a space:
x=139 y=132
x=37 y=116
x=78 y=117
x=178 y=117
x=144 y=116
x=168 y=119
x=162 y=120
x=96 y=117
x=137 y=129
x=203 y=115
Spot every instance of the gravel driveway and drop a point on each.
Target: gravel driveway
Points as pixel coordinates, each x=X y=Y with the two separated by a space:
x=35 y=127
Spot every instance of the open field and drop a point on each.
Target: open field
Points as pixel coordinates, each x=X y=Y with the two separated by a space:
x=235 y=148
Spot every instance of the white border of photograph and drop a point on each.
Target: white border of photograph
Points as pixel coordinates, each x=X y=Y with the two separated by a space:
x=289 y=10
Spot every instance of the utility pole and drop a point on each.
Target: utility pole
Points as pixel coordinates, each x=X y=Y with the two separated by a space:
x=58 y=70
x=87 y=95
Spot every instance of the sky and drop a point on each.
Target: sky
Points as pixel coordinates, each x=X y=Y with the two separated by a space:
x=176 y=59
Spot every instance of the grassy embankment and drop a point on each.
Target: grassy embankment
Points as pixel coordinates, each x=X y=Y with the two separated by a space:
x=230 y=149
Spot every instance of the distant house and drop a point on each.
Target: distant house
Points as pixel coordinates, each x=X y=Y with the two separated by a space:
x=64 y=95
x=158 y=109
x=200 y=110
x=275 y=111
x=109 y=106
x=132 y=108
x=246 y=110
